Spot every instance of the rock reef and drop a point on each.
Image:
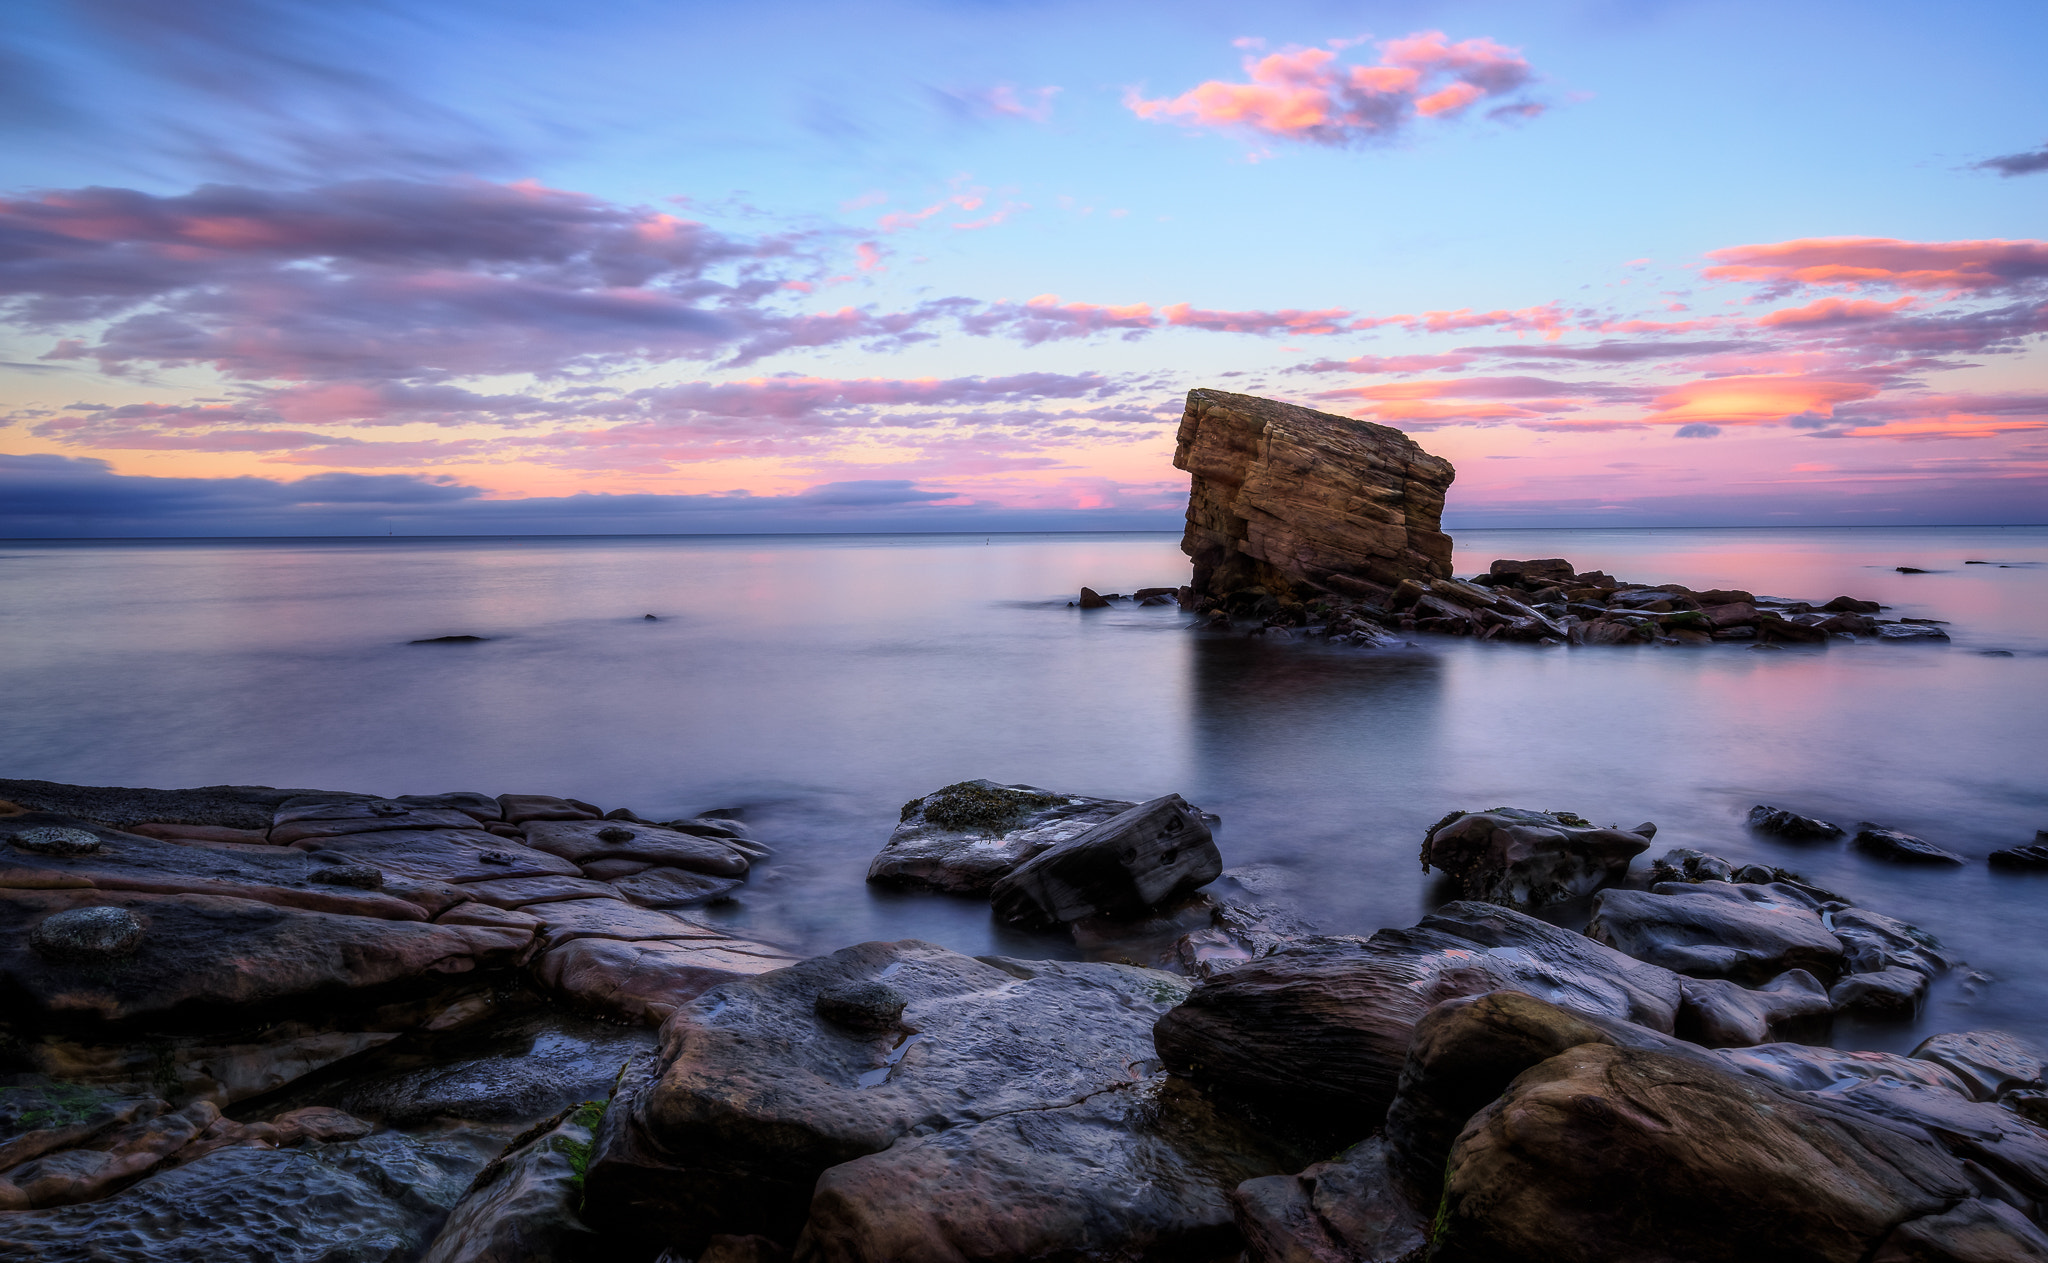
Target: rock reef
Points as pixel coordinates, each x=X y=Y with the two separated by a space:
x=480 y=1045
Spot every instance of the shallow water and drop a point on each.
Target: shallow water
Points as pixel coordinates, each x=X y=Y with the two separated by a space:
x=821 y=681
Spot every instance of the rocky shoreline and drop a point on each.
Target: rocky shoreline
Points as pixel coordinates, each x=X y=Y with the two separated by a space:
x=300 y=1025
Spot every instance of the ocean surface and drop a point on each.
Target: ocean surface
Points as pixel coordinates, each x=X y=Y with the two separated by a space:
x=820 y=681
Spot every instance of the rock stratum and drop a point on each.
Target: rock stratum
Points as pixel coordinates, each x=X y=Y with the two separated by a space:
x=1298 y=501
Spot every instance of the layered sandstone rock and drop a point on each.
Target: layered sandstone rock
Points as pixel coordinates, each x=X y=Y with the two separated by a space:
x=1289 y=499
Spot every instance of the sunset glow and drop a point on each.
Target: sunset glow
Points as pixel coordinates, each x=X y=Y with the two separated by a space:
x=985 y=291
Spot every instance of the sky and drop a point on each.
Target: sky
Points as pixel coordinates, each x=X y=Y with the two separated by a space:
x=531 y=266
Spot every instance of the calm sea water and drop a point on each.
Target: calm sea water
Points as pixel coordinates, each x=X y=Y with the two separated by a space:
x=821 y=681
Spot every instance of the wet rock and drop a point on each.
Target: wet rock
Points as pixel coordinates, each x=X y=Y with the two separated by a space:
x=356 y=876
x=755 y=1095
x=1603 y=1153
x=1353 y=1207
x=204 y=951
x=583 y=841
x=1092 y=600
x=674 y=888
x=481 y=807
x=425 y=1172
x=1465 y=1053
x=521 y=892
x=1527 y=859
x=375 y=815
x=1976 y=1231
x=570 y=919
x=1808 y=1069
x=523 y=1207
x=864 y=1005
x=1876 y=942
x=2014 y=1150
x=1687 y=865
x=1136 y=1170
x=1325 y=1026
x=38 y=1118
x=231 y=806
x=264 y=1206
x=533 y=1067
x=1909 y=631
x=1990 y=1063
x=1786 y=824
x=1892 y=993
x=966 y=837
x=319 y=1124
x=444 y=855
x=1283 y=496
x=112 y=1161
x=644 y=982
x=1903 y=848
x=1719 y=1014
x=2035 y=856
x=86 y=936
x=449 y=640
x=520 y=808
x=51 y=840
x=1716 y=930
x=222 y=1069
x=1124 y=867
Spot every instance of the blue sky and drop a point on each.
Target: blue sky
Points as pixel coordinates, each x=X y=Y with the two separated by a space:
x=818 y=195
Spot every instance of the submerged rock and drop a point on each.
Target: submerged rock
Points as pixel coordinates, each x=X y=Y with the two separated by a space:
x=1124 y=867
x=1904 y=848
x=1527 y=859
x=1786 y=824
x=965 y=838
x=1285 y=496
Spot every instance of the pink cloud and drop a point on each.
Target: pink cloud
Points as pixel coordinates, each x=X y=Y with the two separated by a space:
x=1834 y=311
x=1288 y=321
x=1755 y=399
x=1855 y=262
x=1307 y=95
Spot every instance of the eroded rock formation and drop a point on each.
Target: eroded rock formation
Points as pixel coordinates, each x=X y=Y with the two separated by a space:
x=1298 y=501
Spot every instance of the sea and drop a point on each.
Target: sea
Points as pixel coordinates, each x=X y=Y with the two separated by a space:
x=818 y=682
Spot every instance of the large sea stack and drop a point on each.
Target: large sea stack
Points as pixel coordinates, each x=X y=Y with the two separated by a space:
x=1298 y=501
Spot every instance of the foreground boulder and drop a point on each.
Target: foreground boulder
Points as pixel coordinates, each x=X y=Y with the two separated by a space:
x=1287 y=498
x=1124 y=867
x=1324 y=1028
x=1527 y=859
x=1001 y=1082
x=965 y=838
x=1602 y=1153
x=522 y=1208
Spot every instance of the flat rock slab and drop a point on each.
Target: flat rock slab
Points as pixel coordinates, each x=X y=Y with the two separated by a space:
x=756 y=1093
x=1749 y=933
x=1604 y=1153
x=520 y=808
x=1529 y=859
x=203 y=951
x=612 y=917
x=263 y=1206
x=1142 y=1170
x=518 y=892
x=1875 y=941
x=662 y=887
x=1325 y=1027
x=1805 y=1068
x=587 y=840
x=132 y=862
x=1999 y=1140
x=1990 y=1063
x=233 y=806
x=445 y=855
x=963 y=839
x=361 y=816
x=645 y=982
